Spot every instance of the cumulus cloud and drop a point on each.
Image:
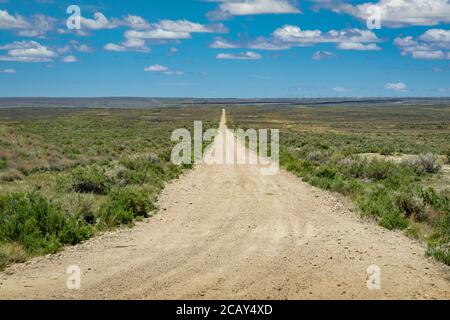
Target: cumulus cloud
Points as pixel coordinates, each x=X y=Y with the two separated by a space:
x=173 y=30
x=294 y=34
x=191 y=27
x=70 y=59
x=220 y=43
x=162 y=69
x=229 y=8
x=434 y=44
x=8 y=21
x=26 y=51
x=166 y=30
x=99 y=22
x=399 y=13
x=131 y=44
x=290 y=35
x=156 y=68
x=136 y=22
x=399 y=87
x=36 y=26
x=249 y=55
x=358 y=46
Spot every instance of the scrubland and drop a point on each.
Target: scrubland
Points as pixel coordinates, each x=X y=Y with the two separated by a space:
x=392 y=160
x=67 y=174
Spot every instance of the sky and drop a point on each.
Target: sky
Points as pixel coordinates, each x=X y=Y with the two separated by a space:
x=224 y=48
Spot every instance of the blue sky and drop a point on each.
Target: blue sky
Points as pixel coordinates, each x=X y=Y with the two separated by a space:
x=225 y=48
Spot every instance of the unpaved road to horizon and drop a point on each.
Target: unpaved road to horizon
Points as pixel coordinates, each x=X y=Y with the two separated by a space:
x=228 y=232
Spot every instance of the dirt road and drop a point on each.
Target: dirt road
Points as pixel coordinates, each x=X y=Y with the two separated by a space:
x=228 y=232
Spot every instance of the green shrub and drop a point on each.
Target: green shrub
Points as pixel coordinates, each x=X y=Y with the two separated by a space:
x=314 y=156
x=353 y=167
x=41 y=227
x=439 y=242
x=125 y=204
x=440 y=253
x=379 y=202
x=411 y=204
x=326 y=173
x=80 y=206
x=424 y=163
x=10 y=175
x=447 y=154
x=11 y=253
x=3 y=164
x=90 y=180
x=345 y=186
x=142 y=170
x=440 y=202
x=394 y=220
x=379 y=170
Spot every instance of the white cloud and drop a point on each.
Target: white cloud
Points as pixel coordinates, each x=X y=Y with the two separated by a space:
x=114 y=47
x=434 y=44
x=290 y=35
x=398 y=13
x=220 y=43
x=295 y=35
x=141 y=32
x=430 y=55
x=39 y=26
x=399 y=87
x=340 y=89
x=8 y=21
x=136 y=22
x=64 y=50
x=319 y=55
x=70 y=59
x=36 y=26
x=162 y=69
x=8 y=71
x=228 y=8
x=99 y=22
x=190 y=27
x=27 y=51
x=156 y=68
x=131 y=44
x=437 y=36
x=82 y=47
x=173 y=30
x=358 y=46
x=262 y=43
x=249 y=55
x=157 y=34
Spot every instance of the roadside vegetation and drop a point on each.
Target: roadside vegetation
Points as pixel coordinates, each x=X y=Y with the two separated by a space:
x=392 y=161
x=68 y=174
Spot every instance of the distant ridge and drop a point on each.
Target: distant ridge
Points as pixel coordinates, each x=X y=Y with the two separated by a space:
x=138 y=103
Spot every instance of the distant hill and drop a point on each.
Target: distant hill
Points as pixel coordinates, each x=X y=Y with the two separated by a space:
x=138 y=103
